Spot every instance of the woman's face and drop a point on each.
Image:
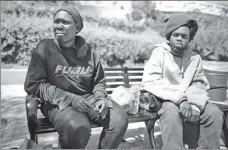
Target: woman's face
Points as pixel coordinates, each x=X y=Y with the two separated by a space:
x=179 y=39
x=64 y=27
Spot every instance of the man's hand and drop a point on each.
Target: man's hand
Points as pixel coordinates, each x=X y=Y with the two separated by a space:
x=186 y=110
x=102 y=107
x=195 y=116
x=94 y=115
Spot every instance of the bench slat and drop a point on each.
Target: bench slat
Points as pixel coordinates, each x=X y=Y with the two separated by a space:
x=114 y=83
x=135 y=69
x=114 y=80
x=135 y=77
x=113 y=69
x=135 y=72
x=114 y=72
x=134 y=83
x=114 y=77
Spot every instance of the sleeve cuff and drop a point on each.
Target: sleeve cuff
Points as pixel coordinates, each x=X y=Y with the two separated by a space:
x=184 y=98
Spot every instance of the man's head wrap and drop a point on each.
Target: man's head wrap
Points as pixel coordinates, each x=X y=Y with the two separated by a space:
x=176 y=21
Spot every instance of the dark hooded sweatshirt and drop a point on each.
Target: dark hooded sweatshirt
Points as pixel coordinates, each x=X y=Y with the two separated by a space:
x=61 y=75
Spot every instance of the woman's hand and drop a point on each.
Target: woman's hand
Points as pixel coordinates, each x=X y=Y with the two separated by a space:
x=102 y=106
x=82 y=105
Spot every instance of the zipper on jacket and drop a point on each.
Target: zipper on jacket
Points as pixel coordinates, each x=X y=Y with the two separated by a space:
x=182 y=68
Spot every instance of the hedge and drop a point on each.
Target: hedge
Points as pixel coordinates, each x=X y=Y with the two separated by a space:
x=23 y=25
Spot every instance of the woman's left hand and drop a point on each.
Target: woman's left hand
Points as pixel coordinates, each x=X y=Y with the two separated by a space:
x=102 y=106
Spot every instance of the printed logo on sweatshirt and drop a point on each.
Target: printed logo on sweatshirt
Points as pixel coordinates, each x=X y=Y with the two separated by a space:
x=71 y=71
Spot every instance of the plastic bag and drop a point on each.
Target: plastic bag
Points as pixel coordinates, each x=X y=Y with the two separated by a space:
x=128 y=98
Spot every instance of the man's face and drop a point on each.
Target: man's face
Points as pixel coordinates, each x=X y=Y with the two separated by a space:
x=64 y=27
x=179 y=39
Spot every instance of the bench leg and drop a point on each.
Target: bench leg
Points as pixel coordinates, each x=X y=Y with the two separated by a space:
x=33 y=137
x=150 y=128
x=31 y=104
x=225 y=128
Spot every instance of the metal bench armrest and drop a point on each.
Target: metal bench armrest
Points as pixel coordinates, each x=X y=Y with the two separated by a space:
x=31 y=112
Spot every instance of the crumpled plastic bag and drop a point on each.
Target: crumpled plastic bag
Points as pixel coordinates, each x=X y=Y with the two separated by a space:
x=128 y=98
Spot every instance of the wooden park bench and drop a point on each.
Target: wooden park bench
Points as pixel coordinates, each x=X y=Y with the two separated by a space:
x=114 y=77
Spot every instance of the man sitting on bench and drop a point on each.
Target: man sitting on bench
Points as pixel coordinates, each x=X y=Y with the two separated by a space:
x=68 y=77
x=174 y=73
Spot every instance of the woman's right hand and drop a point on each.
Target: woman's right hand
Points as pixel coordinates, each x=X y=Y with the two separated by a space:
x=82 y=105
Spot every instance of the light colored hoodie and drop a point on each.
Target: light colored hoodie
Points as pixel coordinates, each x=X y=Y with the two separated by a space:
x=173 y=78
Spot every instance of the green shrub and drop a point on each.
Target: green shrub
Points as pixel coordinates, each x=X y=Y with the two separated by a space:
x=119 y=51
x=20 y=35
x=115 y=47
x=119 y=43
x=212 y=37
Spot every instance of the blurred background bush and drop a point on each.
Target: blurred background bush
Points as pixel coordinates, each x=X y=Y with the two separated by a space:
x=119 y=42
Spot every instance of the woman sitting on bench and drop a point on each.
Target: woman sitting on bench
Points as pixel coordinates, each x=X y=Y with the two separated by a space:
x=68 y=77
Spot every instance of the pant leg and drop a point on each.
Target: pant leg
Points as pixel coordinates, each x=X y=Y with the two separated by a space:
x=191 y=134
x=211 y=121
x=72 y=126
x=114 y=127
x=171 y=126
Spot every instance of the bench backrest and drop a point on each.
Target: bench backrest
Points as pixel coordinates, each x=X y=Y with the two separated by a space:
x=122 y=76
